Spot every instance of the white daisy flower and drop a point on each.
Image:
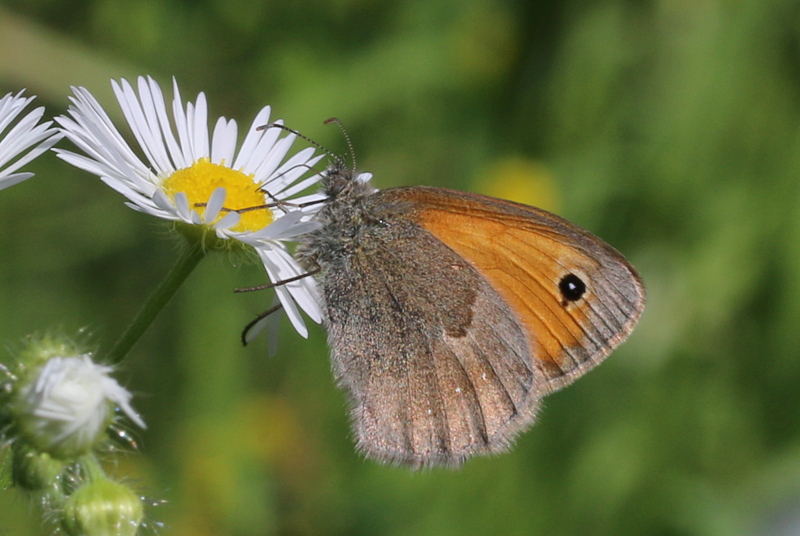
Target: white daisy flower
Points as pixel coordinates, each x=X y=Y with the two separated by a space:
x=26 y=134
x=199 y=181
x=67 y=404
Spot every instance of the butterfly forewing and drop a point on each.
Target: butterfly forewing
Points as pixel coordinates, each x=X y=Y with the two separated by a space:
x=525 y=253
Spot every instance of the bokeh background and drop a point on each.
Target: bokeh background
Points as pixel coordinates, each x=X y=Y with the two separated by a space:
x=671 y=128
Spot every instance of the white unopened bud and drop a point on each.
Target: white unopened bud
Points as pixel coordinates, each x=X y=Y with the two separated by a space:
x=64 y=407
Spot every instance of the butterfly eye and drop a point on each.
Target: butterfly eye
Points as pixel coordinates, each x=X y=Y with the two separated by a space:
x=572 y=287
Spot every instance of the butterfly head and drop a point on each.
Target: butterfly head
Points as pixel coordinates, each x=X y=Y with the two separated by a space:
x=344 y=215
x=340 y=184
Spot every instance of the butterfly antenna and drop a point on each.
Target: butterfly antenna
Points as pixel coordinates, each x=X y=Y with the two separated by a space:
x=311 y=272
x=299 y=135
x=347 y=139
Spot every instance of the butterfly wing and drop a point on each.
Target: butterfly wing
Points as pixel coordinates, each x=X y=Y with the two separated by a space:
x=531 y=258
x=450 y=315
x=435 y=365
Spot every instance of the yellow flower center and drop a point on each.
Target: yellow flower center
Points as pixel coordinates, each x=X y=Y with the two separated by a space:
x=199 y=181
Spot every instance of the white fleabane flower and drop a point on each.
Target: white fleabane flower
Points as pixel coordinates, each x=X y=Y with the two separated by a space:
x=250 y=195
x=65 y=406
x=26 y=135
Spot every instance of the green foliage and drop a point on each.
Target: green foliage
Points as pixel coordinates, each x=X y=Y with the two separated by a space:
x=668 y=128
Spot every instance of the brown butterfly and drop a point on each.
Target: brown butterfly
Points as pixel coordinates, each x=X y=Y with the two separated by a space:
x=451 y=314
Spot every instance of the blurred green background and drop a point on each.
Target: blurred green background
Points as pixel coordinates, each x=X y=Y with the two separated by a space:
x=670 y=128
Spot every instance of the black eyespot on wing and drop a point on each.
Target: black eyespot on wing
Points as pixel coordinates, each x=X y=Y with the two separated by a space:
x=572 y=288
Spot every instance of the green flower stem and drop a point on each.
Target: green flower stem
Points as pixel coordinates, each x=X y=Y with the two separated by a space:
x=188 y=261
x=94 y=471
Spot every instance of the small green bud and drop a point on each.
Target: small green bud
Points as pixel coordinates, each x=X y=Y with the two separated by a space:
x=102 y=508
x=32 y=470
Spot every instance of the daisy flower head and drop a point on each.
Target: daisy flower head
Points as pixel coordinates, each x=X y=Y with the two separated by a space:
x=26 y=135
x=253 y=196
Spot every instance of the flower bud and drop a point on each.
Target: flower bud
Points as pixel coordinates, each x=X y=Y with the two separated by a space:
x=102 y=508
x=62 y=403
x=32 y=470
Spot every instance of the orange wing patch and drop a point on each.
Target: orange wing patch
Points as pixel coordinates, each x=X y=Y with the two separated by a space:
x=524 y=252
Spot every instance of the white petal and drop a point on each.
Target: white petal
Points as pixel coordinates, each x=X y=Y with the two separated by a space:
x=303 y=291
x=175 y=152
x=11 y=180
x=132 y=110
x=11 y=107
x=292 y=169
x=26 y=140
x=229 y=220
x=163 y=201
x=271 y=324
x=214 y=204
x=182 y=204
x=181 y=124
x=273 y=159
x=148 y=92
x=35 y=136
x=198 y=124
x=279 y=226
x=280 y=266
x=223 y=142
x=249 y=156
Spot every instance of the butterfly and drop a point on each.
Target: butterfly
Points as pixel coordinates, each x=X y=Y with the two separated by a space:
x=451 y=314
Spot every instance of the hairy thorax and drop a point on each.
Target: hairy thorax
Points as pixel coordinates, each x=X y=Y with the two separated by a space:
x=348 y=215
